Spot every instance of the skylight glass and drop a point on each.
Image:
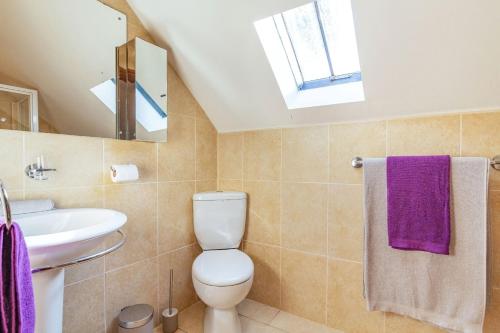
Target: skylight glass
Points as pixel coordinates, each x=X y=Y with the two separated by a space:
x=304 y=32
x=148 y=113
x=320 y=43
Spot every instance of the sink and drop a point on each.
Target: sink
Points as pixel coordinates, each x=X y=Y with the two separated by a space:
x=55 y=238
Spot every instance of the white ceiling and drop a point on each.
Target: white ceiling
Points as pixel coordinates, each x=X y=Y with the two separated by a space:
x=63 y=48
x=420 y=56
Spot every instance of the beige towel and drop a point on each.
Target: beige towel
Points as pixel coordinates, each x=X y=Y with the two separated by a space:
x=447 y=291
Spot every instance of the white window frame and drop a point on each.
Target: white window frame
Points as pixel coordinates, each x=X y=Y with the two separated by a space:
x=295 y=98
x=33 y=97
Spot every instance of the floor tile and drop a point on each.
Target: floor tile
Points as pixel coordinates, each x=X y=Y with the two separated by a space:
x=255 y=318
x=191 y=319
x=257 y=311
x=294 y=324
x=251 y=326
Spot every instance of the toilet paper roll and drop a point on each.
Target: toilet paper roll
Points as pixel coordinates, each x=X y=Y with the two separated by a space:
x=124 y=173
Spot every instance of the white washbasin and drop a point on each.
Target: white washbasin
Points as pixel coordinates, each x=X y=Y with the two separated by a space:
x=57 y=236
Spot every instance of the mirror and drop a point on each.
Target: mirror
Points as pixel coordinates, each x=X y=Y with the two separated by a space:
x=19 y=109
x=141 y=91
x=62 y=52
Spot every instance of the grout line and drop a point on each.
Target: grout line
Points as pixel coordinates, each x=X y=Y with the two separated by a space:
x=101 y=274
x=461 y=134
x=386 y=137
x=242 y=156
x=281 y=219
x=328 y=198
x=217 y=177
x=157 y=234
x=24 y=159
x=130 y=265
x=195 y=148
x=444 y=113
x=304 y=252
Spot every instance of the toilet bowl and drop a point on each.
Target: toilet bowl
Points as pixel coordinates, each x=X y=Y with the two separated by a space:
x=222 y=279
x=222 y=274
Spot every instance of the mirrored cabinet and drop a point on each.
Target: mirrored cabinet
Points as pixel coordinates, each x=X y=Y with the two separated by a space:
x=61 y=74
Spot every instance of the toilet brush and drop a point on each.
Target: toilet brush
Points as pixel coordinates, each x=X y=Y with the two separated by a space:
x=170 y=315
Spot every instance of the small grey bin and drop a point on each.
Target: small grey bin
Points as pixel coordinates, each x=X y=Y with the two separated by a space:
x=136 y=319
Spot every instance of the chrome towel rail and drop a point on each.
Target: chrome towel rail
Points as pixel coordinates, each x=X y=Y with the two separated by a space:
x=4 y=199
x=90 y=257
x=357 y=162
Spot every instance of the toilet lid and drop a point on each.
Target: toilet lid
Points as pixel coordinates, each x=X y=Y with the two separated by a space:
x=222 y=268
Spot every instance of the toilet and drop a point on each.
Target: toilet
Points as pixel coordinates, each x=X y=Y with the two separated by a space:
x=222 y=274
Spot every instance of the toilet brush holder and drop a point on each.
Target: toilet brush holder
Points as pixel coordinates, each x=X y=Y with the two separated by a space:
x=170 y=320
x=170 y=316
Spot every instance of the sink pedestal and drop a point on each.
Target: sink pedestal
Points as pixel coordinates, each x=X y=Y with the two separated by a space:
x=48 y=288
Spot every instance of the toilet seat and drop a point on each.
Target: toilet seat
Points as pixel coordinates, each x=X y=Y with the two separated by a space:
x=223 y=268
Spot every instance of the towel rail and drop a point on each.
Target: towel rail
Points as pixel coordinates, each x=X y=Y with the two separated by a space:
x=357 y=162
x=90 y=257
x=4 y=200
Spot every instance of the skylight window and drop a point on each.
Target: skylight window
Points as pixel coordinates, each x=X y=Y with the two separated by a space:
x=317 y=42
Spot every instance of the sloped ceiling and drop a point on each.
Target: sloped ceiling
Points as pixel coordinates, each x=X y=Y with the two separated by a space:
x=420 y=56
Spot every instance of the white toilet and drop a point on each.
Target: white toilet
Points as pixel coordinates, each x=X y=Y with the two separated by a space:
x=222 y=274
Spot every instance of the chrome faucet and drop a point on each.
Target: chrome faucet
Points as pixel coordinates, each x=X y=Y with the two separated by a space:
x=5 y=205
x=37 y=170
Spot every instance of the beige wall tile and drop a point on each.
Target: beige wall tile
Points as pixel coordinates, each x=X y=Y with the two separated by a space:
x=175 y=215
x=206 y=185
x=304 y=216
x=230 y=185
x=181 y=102
x=142 y=154
x=480 y=138
x=397 y=324
x=80 y=272
x=492 y=319
x=70 y=197
x=262 y=155
x=176 y=157
x=263 y=223
x=180 y=261
x=266 y=283
x=206 y=150
x=350 y=140
x=78 y=160
x=439 y=135
x=494 y=203
x=84 y=306
x=305 y=154
x=346 y=306
x=138 y=202
x=230 y=154
x=303 y=284
x=134 y=284
x=345 y=222
x=11 y=162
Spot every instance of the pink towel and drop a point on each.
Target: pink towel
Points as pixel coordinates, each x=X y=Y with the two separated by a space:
x=17 y=304
x=418 y=203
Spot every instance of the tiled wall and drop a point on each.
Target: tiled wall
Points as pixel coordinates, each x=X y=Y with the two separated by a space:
x=158 y=206
x=305 y=220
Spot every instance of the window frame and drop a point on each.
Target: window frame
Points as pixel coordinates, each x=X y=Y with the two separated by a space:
x=320 y=82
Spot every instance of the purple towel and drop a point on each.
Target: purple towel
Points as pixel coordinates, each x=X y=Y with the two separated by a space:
x=418 y=203
x=17 y=303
